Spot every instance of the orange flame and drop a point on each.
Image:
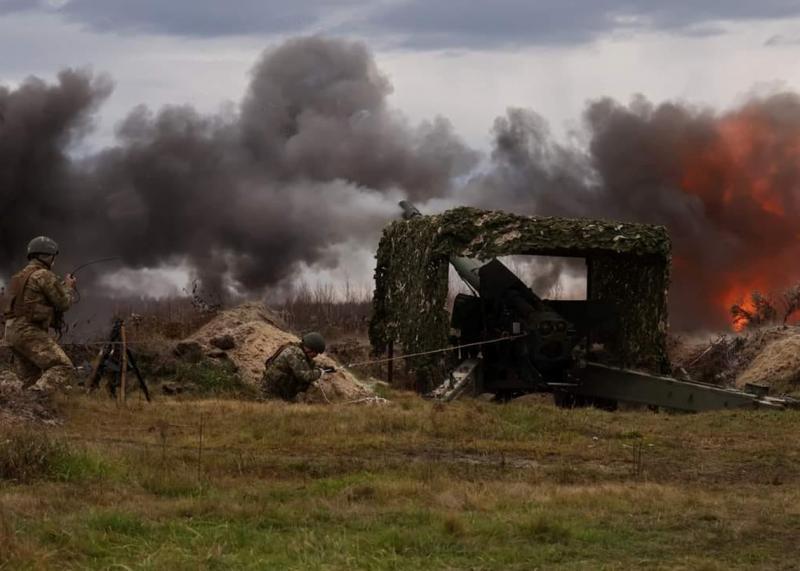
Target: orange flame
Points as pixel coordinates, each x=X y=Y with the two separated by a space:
x=744 y=174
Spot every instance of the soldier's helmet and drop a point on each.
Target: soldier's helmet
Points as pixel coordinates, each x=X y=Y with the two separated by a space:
x=42 y=245
x=314 y=341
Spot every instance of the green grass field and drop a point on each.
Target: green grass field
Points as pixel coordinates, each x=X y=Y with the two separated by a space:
x=223 y=484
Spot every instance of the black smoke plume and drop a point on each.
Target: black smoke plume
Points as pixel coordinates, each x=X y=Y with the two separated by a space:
x=40 y=191
x=312 y=157
x=726 y=185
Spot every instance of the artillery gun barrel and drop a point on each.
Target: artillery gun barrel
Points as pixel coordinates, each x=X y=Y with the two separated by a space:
x=467 y=268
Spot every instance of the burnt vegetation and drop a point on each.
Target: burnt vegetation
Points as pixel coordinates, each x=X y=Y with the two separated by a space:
x=766 y=309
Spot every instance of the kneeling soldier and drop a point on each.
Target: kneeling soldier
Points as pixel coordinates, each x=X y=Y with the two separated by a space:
x=291 y=369
x=36 y=298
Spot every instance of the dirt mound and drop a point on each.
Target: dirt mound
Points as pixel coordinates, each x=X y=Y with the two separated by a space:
x=776 y=366
x=252 y=334
x=768 y=356
x=18 y=406
x=722 y=359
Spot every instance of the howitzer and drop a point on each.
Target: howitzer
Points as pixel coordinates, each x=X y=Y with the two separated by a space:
x=549 y=348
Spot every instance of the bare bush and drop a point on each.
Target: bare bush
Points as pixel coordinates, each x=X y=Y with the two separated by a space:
x=758 y=311
x=172 y=318
x=761 y=309
x=790 y=300
x=323 y=307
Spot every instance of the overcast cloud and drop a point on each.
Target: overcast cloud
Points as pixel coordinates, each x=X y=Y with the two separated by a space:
x=469 y=24
x=412 y=23
x=207 y=18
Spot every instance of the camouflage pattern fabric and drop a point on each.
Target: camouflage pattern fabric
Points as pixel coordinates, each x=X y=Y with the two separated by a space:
x=289 y=373
x=38 y=360
x=45 y=293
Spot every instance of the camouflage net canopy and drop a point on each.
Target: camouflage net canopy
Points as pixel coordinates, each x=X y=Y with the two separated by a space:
x=627 y=267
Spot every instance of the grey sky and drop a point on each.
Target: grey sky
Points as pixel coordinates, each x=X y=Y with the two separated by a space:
x=470 y=24
x=411 y=23
x=200 y=18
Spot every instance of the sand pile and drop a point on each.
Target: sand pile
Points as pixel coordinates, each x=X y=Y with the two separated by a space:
x=776 y=366
x=248 y=334
x=769 y=356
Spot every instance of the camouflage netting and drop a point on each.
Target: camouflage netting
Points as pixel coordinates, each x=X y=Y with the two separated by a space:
x=627 y=266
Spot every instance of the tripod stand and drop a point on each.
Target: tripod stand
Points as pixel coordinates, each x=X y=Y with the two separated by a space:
x=117 y=357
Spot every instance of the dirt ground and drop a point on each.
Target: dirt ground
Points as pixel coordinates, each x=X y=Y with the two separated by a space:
x=18 y=406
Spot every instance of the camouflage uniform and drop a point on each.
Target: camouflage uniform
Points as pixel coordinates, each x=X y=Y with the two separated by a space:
x=38 y=359
x=288 y=372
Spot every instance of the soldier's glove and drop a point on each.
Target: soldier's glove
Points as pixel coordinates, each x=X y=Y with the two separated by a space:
x=327 y=369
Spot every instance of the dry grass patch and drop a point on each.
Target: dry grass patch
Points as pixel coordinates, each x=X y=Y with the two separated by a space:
x=410 y=486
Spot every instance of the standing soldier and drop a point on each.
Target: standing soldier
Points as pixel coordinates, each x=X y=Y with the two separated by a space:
x=291 y=369
x=36 y=298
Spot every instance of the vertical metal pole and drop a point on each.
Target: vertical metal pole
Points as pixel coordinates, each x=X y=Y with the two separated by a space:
x=390 y=365
x=123 y=363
